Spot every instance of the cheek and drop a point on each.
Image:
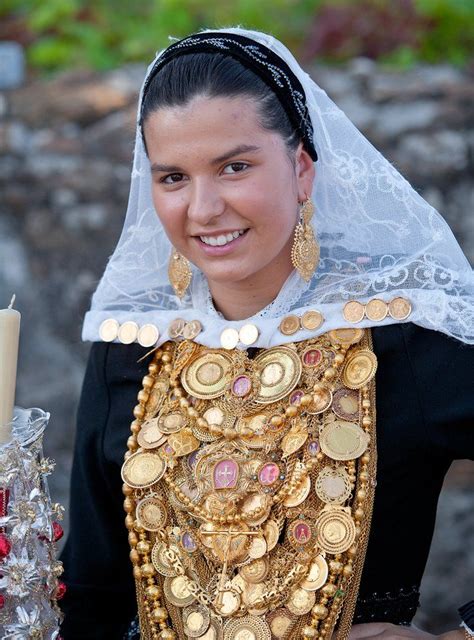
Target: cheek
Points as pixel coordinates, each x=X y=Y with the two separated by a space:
x=169 y=212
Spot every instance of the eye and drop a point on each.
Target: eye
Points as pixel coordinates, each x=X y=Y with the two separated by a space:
x=235 y=167
x=172 y=178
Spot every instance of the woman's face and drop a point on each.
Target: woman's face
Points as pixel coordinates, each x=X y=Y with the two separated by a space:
x=225 y=189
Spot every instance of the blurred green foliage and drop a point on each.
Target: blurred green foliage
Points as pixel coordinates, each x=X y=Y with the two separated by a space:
x=102 y=34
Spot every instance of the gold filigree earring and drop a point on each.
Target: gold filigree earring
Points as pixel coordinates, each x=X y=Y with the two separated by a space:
x=179 y=273
x=305 y=249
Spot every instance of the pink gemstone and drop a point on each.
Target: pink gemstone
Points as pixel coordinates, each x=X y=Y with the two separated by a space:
x=313 y=448
x=268 y=474
x=226 y=474
x=312 y=357
x=188 y=542
x=302 y=533
x=296 y=396
x=241 y=386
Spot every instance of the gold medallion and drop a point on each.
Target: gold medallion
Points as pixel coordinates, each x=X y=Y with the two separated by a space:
x=345 y=337
x=255 y=571
x=128 y=332
x=149 y=436
x=260 y=502
x=333 y=485
x=148 y=335
x=230 y=545
x=360 y=368
x=176 y=327
x=301 y=601
x=252 y=593
x=192 y=329
x=160 y=561
x=280 y=371
x=353 y=311
x=177 y=591
x=206 y=377
x=229 y=338
x=258 y=547
x=229 y=603
x=322 y=400
x=271 y=533
x=299 y=495
x=376 y=310
x=151 y=513
x=292 y=442
x=317 y=574
x=345 y=404
x=399 y=308
x=248 y=334
x=280 y=623
x=143 y=469
x=247 y=628
x=171 y=422
x=183 y=443
x=342 y=440
x=108 y=330
x=196 y=620
x=214 y=415
x=336 y=530
x=312 y=320
x=214 y=632
x=289 y=325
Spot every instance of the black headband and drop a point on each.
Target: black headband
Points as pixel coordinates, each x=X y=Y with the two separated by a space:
x=274 y=71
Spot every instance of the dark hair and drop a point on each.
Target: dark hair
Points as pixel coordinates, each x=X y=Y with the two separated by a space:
x=215 y=75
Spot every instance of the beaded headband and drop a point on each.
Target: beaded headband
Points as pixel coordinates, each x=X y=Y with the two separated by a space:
x=270 y=68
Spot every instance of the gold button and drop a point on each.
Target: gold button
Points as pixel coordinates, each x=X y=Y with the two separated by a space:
x=399 y=308
x=192 y=329
x=289 y=325
x=376 y=310
x=248 y=334
x=148 y=335
x=312 y=320
x=176 y=328
x=128 y=332
x=353 y=311
x=108 y=330
x=229 y=338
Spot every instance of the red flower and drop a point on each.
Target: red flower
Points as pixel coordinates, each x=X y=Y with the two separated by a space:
x=5 y=546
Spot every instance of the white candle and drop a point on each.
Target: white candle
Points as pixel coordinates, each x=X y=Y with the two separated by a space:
x=9 y=339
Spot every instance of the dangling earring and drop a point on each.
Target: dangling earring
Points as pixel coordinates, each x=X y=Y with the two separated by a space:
x=305 y=249
x=179 y=273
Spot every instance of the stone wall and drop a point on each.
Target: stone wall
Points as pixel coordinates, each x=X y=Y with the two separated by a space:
x=65 y=158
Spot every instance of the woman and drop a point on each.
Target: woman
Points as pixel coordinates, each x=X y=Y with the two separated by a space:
x=281 y=385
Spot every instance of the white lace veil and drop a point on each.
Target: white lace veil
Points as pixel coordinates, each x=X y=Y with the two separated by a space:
x=378 y=238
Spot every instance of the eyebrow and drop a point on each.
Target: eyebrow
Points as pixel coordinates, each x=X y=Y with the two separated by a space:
x=241 y=148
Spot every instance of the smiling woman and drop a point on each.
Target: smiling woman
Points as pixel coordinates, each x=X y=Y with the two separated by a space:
x=270 y=493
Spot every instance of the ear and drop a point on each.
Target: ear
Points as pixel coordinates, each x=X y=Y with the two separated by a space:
x=305 y=173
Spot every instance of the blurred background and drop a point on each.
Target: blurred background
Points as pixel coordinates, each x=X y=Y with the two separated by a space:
x=70 y=71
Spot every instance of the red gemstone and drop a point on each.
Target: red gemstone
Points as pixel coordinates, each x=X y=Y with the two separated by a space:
x=57 y=531
x=312 y=357
x=60 y=590
x=302 y=533
x=2 y=601
x=5 y=546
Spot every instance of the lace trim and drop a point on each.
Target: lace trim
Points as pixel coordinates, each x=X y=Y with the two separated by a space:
x=397 y=607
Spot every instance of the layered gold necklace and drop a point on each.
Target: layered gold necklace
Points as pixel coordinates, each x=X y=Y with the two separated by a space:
x=249 y=487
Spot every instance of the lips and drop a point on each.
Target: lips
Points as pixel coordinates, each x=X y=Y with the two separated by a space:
x=222 y=239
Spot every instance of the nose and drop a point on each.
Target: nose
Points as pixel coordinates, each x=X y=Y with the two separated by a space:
x=205 y=203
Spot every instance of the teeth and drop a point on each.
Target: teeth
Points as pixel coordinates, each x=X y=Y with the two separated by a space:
x=222 y=240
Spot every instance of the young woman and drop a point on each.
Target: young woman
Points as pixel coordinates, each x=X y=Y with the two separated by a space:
x=293 y=318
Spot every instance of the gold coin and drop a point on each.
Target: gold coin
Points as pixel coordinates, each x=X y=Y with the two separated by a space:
x=196 y=620
x=312 y=320
x=333 y=486
x=149 y=436
x=177 y=591
x=399 y=308
x=248 y=334
x=289 y=325
x=176 y=328
x=301 y=601
x=360 y=368
x=171 y=422
x=280 y=371
x=292 y=442
x=108 y=330
x=342 y=440
x=336 y=531
x=247 y=628
x=353 y=311
x=255 y=571
x=214 y=415
x=299 y=495
x=322 y=400
x=148 y=335
x=258 y=547
x=206 y=377
x=183 y=443
x=214 y=632
x=192 y=329
x=160 y=561
x=317 y=574
x=376 y=309
x=345 y=404
x=255 y=502
x=345 y=336
x=229 y=338
x=151 y=513
x=128 y=332
x=280 y=622
x=271 y=533
x=252 y=593
x=143 y=469
x=229 y=604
